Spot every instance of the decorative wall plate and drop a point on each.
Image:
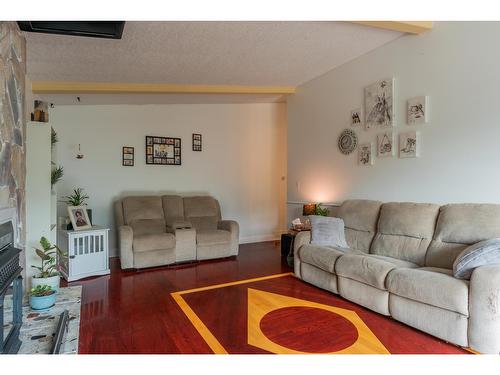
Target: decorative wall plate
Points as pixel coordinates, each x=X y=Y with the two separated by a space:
x=348 y=141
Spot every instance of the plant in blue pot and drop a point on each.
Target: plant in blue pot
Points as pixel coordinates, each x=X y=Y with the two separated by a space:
x=48 y=273
x=42 y=297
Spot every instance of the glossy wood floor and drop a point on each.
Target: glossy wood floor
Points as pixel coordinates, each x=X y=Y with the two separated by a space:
x=134 y=312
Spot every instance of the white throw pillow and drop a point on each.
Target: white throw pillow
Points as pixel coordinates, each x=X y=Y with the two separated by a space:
x=482 y=253
x=327 y=231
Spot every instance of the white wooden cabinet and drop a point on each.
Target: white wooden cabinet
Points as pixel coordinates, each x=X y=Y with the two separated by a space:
x=87 y=253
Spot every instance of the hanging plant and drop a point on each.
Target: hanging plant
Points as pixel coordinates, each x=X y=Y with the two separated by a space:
x=53 y=137
x=56 y=175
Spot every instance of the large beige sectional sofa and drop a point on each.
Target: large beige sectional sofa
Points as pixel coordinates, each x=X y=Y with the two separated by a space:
x=160 y=230
x=399 y=263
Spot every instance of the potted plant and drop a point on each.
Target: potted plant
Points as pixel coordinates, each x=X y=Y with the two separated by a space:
x=48 y=273
x=42 y=297
x=77 y=198
x=321 y=211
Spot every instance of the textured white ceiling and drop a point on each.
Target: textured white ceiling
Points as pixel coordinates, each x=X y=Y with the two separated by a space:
x=239 y=53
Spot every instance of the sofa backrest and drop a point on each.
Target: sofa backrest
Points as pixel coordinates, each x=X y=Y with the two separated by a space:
x=173 y=208
x=360 y=220
x=458 y=226
x=405 y=230
x=203 y=212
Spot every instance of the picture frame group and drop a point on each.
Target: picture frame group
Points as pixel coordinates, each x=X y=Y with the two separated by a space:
x=163 y=150
x=196 y=142
x=128 y=156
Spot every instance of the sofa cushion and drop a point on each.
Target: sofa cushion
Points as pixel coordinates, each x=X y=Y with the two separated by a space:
x=202 y=212
x=213 y=237
x=481 y=253
x=322 y=257
x=138 y=208
x=432 y=286
x=360 y=220
x=461 y=225
x=327 y=231
x=148 y=226
x=369 y=269
x=153 y=241
x=405 y=230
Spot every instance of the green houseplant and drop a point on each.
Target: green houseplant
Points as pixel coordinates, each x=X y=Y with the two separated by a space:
x=77 y=198
x=42 y=297
x=55 y=175
x=321 y=211
x=48 y=269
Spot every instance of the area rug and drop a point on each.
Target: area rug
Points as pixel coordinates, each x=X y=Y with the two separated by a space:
x=284 y=315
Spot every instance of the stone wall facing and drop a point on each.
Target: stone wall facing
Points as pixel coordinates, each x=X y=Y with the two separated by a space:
x=13 y=125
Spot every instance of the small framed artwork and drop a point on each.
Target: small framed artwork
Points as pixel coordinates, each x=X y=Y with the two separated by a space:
x=41 y=112
x=163 y=150
x=417 y=109
x=409 y=145
x=356 y=117
x=365 y=154
x=79 y=217
x=128 y=156
x=385 y=144
x=196 y=142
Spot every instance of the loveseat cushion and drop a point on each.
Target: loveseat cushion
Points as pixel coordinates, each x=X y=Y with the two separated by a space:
x=203 y=212
x=461 y=225
x=213 y=237
x=153 y=241
x=369 y=269
x=360 y=220
x=432 y=286
x=323 y=257
x=138 y=208
x=148 y=226
x=405 y=230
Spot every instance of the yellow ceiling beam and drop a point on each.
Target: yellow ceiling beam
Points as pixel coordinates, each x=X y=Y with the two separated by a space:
x=411 y=27
x=55 y=87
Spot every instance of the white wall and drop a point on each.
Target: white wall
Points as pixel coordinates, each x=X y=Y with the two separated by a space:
x=242 y=162
x=456 y=65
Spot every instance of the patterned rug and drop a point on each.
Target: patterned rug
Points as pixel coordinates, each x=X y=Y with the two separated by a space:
x=284 y=315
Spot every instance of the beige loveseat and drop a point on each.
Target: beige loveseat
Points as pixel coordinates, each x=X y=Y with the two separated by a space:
x=160 y=230
x=399 y=263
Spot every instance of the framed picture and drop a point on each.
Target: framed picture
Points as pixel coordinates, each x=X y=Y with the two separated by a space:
x=79 y=217
x=163 y=150
x=196 y=142
x=365 y=154
x=385 y=144
x=379 y=104
x=128 y=156
x=409 y=145
x=41 y=112
x=417 y=109
x=356 y=117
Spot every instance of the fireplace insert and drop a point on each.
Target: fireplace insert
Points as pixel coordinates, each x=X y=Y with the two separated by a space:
x=11 y=291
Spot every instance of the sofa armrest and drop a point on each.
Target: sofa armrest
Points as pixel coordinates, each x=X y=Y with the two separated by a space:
x=484 y=309
x=125 y=239
x=302 y=238
x=233 y=227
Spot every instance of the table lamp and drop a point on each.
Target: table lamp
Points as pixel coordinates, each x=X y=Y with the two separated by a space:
x=309 y=209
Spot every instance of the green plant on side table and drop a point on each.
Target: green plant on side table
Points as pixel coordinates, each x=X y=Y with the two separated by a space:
x=321 y=211
x=48 y=273
x=42 y=297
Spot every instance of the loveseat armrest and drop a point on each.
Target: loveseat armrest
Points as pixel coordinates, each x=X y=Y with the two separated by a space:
x=484 y=310
x=185 y=244
x=178 y=224
x=125 y=240
x=233 y=227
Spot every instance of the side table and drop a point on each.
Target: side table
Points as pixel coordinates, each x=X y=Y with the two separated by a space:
x=87 y=252
x=287 y=241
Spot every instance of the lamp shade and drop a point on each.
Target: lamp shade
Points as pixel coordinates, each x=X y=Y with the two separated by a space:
x=309 y=209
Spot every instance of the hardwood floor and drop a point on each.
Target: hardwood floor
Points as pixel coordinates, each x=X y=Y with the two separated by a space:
x=134 y=311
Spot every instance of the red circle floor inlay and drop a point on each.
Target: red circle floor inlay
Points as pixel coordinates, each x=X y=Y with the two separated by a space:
x=308 y=329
